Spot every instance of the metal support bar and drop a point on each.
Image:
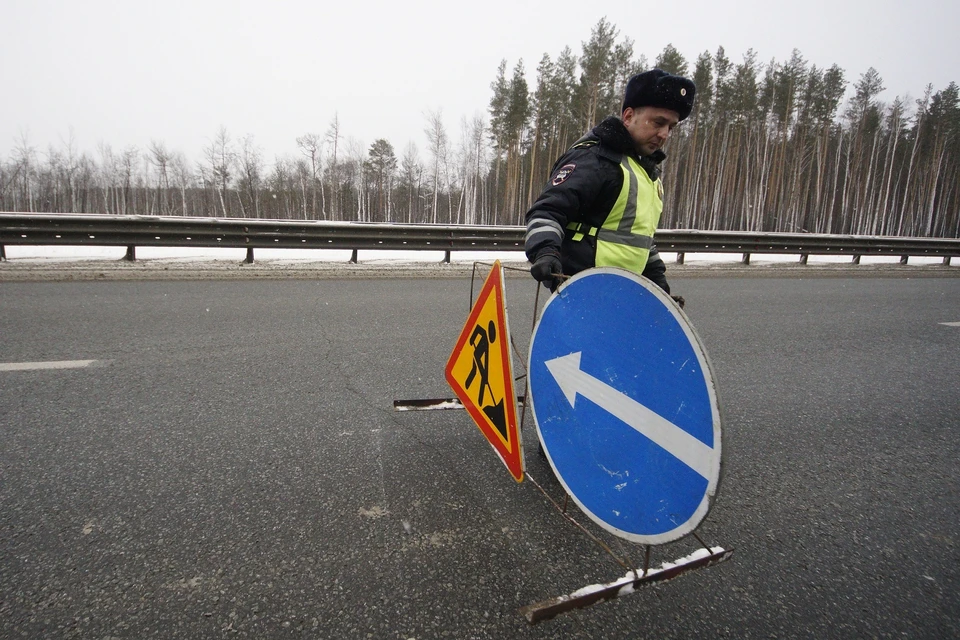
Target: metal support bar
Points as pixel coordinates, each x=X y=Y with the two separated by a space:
x=432 y=404
x=856 y=258
x=3 y=255
x=680 y=257
x=566 y=516
x=804 y=257
x=593 y=594
x=745 y=259
x=946 y=259
x=131 y=254
x=353 y=257
x=249 y=258
x=446 y=257
x=904 y=259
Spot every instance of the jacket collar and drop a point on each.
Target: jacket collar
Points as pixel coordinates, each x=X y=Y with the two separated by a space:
x=615 y=138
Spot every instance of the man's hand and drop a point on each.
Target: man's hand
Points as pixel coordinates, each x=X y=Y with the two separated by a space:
x=679 y=300
x=547 y=268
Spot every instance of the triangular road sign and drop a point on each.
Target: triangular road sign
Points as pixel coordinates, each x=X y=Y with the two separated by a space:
x=480 y=372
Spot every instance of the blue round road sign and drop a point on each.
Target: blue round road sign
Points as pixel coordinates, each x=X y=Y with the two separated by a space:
x=625 y=405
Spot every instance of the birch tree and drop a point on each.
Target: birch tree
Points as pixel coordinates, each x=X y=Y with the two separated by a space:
x=332 y=138
x=311 y=146
x=220 y=157
x=250 y=179
x=411 y=183
x=160 y=157
x=437 y=145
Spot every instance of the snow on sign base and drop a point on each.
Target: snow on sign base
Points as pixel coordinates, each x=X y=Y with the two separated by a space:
x=625 y=405
x=595 y=593
x=480 y=372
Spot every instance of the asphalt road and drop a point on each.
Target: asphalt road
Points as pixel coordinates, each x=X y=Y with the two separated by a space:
x=232 y=467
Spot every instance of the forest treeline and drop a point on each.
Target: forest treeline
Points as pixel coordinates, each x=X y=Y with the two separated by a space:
x=775 y=146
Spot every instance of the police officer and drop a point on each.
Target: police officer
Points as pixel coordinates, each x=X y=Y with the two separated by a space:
x=604 y=199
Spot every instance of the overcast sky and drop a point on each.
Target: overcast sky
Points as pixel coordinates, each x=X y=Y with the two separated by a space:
x=126 y=72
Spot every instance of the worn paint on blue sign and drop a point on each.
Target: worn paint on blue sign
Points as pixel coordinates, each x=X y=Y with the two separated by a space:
x=625 y=405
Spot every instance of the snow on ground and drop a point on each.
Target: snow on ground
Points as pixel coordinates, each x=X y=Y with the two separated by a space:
x=51 y=254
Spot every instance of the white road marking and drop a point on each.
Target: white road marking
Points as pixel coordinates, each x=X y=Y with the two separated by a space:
x=951 y=324
x=677 y=442
x=34 y=366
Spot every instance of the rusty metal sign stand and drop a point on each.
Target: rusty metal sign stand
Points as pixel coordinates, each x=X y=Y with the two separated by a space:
x=593 y=594
x=635 y=577
x=434 y=404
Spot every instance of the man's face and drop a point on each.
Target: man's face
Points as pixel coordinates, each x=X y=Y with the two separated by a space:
x=649 y=127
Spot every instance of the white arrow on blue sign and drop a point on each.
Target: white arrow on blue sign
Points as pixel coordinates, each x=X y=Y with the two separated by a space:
x=625 y=405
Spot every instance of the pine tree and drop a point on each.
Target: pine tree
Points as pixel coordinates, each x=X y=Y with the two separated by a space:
x=722 y=68
x=544 y=109
x=941 y=216
x=623 y=68
x=382 y=165
x=703 y=80
x=517 y=119
x=562 y=92
x=598 y=69
x=671 y=61
x=499 y=124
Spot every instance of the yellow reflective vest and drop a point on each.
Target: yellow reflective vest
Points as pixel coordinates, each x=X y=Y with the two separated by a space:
x=626 y=235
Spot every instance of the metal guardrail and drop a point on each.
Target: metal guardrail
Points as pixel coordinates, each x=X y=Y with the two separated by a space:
x=155 y=231
x=805 y=244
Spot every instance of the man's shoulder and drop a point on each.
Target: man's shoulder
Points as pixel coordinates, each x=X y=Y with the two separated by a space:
x=590 y=146
x=582 y=155
x=582 y=168
x=586 y=142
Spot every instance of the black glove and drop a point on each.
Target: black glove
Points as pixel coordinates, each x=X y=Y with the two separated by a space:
x=546 y=268
x=679 y=300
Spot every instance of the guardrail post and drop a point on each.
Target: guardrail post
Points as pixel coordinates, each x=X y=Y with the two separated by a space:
x=3 y=255
x=903 y=259
x=745 y=259
x=131 y=254
x=249 y=258
x=446 y=257
x=946 y=259
x=856 y=259
x=353 y=257
x=680 y=256
x=804 y=257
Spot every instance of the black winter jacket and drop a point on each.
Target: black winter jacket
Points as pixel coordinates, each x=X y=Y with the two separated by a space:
x=584 y=185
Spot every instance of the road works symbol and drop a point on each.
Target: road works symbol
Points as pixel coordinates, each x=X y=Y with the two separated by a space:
x=480 y=372
x=625 y=405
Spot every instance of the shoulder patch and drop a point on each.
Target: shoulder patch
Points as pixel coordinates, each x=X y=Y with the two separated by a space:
x=563 y=173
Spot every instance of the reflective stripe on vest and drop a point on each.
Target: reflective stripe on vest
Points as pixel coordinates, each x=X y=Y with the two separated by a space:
x=626 y=236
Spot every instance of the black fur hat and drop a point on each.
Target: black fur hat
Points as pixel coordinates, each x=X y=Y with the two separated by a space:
x=658 y=88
